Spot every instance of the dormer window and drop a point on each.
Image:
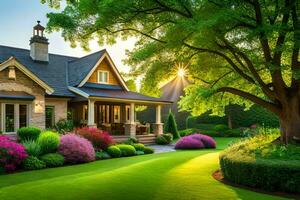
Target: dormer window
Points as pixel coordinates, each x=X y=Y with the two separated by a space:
x=102 y=76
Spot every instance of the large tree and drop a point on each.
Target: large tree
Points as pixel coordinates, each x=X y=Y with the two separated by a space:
x=235 y=50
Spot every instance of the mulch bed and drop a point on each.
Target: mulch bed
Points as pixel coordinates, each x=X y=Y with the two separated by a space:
x=219 y=177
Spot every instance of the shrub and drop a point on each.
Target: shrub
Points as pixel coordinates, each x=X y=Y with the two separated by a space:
x=185 y=132
x=53 y=159
x=63 y=126
x=76 y=149
x=100 y=139
x=114 y=151
x=211 y=133
x=11 y=154
x=33 y=163
x=164 y=138
x=234 y=133
x=257 y=162
x=139 y=146
x=32 y=148
x=49 y=142
x=221 y=128
x=148 y=150
x=170 y=125
x=28 y=133
x=139 y=153
x=126 y=150
x=195 y=141
x=131 y=140
x=102 y=155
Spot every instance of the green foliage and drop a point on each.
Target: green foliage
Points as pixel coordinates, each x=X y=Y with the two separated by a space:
x=64 y=126
x=257 y=162
x=32 y=148
x=53 y=159
x=148 y=150
x=28 y=133
x=114 y=151
x=164 y=138
x=170 y=125
x=126 y=150
x=188 y=131
x=131 y=140
x=139 y=153
x=139 y=146
x=49 y=141
x=131 y=85
x=221 y=128
x=33 y=163
x=102 y=155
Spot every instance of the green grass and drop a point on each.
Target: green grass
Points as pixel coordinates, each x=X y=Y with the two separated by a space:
x=176 y=175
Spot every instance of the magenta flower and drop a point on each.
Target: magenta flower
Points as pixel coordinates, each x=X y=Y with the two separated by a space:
x=195 y=141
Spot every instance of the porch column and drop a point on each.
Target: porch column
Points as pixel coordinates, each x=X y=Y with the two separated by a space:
x=158 y=126
x=130 y=128
x=91 y=113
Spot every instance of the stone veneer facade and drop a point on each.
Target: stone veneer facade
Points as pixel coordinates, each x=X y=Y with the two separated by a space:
x=23 y=83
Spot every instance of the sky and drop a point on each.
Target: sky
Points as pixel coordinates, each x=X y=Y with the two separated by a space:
x=17 y=18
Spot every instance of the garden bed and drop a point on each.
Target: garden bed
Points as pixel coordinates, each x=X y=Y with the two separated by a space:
x=258 y=163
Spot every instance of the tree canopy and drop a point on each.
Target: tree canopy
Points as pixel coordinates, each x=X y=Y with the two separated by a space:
x=235 y=50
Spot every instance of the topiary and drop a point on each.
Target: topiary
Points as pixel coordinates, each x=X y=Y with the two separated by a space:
x=53 y=159
x=126 y=150
x=28 y=133
x=114 y=151
x=195 y=141
x=148 y=150
x=76 y=149
x=164 y=139
x=32 y=147
x=138 y=153
x=170 y=125
x=139 y=146
x=102 y=155
x=49 y=142
x=33 y=163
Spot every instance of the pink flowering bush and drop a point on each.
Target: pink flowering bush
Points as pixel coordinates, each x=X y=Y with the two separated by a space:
x=195 y=141
x=100 y=139
x=76 y=149
x=11 y=154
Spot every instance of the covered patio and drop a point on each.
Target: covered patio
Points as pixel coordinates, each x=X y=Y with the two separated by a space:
x=114 y=111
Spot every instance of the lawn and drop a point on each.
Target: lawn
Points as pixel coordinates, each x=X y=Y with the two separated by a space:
x=176 y=175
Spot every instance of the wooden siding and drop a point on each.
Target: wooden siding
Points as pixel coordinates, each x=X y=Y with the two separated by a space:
x=104 y=66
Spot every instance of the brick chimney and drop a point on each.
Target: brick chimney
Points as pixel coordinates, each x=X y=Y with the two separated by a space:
x=39 y=44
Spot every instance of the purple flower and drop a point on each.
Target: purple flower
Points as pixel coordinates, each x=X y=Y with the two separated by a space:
x=195 y=141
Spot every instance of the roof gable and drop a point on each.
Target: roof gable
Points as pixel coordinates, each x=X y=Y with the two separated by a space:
x=13 y=62
x=114 y=69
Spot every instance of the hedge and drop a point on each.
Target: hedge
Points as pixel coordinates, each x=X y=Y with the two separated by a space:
x=271 y=175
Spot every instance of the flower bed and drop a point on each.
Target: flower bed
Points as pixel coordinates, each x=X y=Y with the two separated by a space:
x=39 y=150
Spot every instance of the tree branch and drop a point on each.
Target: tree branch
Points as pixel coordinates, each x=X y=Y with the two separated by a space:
x=268 y=105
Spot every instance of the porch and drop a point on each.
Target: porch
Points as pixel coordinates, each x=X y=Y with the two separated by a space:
x=118 y=117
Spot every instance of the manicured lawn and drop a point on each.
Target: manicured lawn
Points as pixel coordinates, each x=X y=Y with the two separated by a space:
x=177 y=175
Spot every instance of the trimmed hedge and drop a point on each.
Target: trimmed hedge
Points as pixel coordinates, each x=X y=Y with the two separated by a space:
x=126 y=150
x=49 y=142
x=164 y=138
x=148 y=150
x=139 y=146
x=272 y=175
x=33 y=163
x=114 y=151
x=258 y=163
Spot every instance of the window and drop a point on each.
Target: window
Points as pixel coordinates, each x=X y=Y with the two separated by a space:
x=102 y=76
x=23 y=118
x=117 y=114
x=50 y=116
x=9 y=117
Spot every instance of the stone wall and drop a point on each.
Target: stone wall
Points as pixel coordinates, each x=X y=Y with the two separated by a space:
x=60 y=107
x=25 y=84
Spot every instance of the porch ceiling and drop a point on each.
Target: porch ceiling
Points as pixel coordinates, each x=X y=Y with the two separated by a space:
x=117 y=96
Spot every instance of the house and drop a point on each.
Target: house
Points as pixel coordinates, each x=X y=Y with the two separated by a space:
x=39 y=89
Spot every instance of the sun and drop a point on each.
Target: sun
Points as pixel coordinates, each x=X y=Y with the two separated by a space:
x=181 y=72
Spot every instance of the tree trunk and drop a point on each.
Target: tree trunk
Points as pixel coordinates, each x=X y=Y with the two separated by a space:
x=290 y=121
x=229 y=121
